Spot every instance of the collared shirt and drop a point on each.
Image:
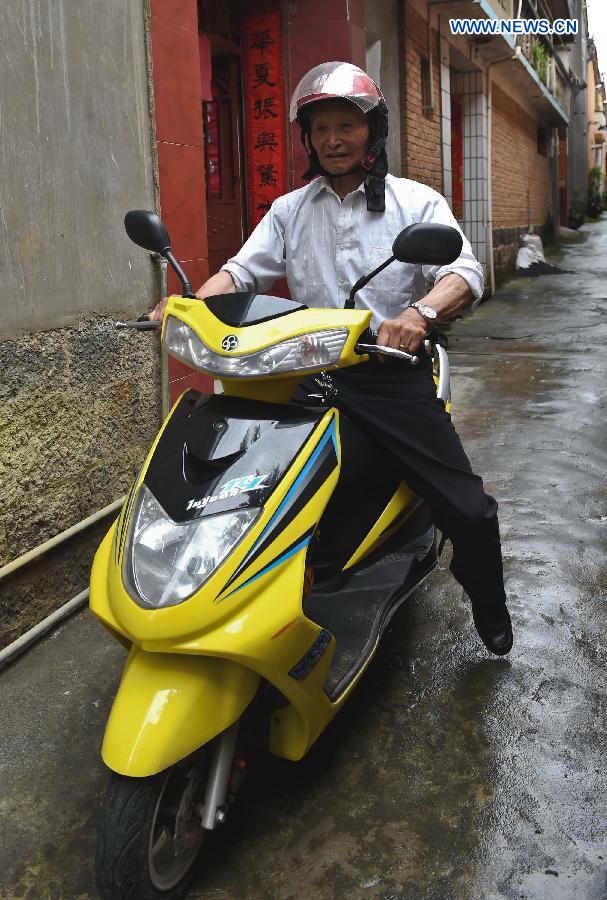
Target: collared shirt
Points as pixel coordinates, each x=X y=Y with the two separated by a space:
x=323 y=245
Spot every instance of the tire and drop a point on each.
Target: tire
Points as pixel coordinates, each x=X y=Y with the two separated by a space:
x=136 y=857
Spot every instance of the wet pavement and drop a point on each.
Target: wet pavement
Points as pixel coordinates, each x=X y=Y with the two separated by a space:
x=450 y=775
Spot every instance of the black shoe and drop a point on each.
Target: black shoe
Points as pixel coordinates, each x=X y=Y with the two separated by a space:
x=495 y=631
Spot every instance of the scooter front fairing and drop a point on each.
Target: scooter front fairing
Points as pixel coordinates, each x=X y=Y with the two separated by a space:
x=217 y=455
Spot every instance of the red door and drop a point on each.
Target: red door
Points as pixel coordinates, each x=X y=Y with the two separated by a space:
x=223 y=135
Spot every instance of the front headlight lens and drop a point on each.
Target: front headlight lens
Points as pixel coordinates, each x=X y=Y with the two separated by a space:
x=165 y=562
x=317 y=349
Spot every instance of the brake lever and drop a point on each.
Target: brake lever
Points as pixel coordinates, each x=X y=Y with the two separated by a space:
x=387 y=351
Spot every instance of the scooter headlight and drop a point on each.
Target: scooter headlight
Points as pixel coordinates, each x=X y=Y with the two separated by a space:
x=166 y=562
x=306 y=351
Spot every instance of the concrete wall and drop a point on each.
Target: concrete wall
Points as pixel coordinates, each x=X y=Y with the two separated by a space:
x=79 y=408
x=79 y=401
x=75 y=149
x=383 y=64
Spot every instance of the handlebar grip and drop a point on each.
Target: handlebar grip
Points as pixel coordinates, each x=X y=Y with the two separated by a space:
x=387 y=351
x=368 y=337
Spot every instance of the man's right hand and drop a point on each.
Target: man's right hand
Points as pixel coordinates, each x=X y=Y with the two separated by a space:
x=219 y=284
x=156 y=314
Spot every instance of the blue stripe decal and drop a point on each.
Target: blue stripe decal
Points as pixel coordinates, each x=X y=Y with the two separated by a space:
x=272 y=565
x=329 y=433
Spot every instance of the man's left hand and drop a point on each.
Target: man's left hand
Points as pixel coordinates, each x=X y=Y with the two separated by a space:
x=406 y=332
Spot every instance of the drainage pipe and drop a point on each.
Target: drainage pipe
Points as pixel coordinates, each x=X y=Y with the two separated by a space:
x=31 y=555
x=26 y=640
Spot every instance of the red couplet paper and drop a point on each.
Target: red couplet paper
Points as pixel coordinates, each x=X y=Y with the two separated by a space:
x=264 y=112
x=457 y=156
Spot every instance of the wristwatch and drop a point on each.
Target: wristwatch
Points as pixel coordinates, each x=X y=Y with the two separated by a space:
x=427 y=312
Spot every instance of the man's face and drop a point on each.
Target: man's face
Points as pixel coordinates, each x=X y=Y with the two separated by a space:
x=340 y=135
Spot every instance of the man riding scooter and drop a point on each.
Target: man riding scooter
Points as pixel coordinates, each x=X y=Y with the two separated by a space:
x=323 y=237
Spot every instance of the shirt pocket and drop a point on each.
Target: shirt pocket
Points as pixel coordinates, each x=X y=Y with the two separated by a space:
x=394 y=278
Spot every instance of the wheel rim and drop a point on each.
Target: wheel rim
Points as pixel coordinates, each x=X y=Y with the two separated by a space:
x=175 y=833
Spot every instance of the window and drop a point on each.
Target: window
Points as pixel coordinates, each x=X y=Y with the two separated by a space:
x=542 y=141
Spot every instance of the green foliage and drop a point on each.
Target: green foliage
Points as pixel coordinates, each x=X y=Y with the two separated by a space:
x=540 y=60
x=596 y=198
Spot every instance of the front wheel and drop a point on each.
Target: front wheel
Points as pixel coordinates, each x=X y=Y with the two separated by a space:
x=150 y=836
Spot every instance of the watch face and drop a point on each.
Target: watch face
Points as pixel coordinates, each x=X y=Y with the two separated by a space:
x=426 y=311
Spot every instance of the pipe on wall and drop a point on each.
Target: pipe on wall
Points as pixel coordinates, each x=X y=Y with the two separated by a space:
x=10 y=653
x=38 y=551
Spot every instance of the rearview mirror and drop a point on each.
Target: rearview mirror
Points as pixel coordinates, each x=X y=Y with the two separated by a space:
x=428 y=244
x=147 y=230
x=423 y=243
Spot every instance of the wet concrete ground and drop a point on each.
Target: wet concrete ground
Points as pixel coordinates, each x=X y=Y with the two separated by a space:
x=450 y=775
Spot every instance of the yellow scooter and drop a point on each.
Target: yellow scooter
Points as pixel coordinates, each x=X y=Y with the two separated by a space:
x=246 y=558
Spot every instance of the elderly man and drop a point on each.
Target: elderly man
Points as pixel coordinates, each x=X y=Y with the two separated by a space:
x=323 y=238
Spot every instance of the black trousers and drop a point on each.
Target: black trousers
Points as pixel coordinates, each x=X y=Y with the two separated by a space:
x=397 y=404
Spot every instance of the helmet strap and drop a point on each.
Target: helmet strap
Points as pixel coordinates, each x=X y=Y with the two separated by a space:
x=373 y=155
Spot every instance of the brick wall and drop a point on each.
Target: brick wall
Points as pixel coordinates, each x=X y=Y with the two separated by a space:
x=517 y=166
x=421 y=129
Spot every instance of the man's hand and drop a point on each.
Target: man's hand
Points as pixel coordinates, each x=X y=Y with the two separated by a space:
x=156 y=314
x=406 y=332
x=219 y=284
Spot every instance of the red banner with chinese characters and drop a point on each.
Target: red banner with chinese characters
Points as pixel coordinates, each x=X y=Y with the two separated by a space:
x=264 y=112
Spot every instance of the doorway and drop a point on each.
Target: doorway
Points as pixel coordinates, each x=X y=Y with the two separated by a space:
x=224 y=156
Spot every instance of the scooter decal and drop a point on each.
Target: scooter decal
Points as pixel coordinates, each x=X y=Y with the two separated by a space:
x=304 y=480
x=298 y=545
x=231 y=488
x=312 y=656
x=319 y=466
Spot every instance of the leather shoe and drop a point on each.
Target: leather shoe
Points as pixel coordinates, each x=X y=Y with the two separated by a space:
x=495 y=631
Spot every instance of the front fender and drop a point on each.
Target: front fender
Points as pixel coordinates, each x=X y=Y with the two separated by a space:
x=170 y=704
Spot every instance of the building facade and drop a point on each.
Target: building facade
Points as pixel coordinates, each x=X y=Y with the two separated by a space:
x=596 y=134
x=481 y=122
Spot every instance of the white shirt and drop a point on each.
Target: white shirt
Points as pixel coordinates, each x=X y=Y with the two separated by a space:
x=323 y=246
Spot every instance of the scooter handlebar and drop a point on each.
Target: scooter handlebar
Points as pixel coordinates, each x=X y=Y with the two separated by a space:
x=369 y=345
x=142 y=324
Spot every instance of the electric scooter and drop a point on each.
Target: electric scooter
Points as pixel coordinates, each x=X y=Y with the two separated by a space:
x=246 y=557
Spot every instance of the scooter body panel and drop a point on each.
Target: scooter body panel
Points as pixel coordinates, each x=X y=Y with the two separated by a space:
x=168 y=705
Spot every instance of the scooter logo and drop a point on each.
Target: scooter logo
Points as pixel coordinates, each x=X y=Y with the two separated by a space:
x=230 y=342
x=230 y=489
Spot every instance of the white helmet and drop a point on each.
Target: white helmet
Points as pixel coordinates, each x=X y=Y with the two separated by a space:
x=337 y=81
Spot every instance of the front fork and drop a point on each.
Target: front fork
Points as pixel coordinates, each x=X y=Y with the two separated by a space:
x=213 y=810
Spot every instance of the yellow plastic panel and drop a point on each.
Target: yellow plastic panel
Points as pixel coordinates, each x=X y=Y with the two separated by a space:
x=257 y=337
x=98 y=593
x=381 y=530
x=168 y=705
